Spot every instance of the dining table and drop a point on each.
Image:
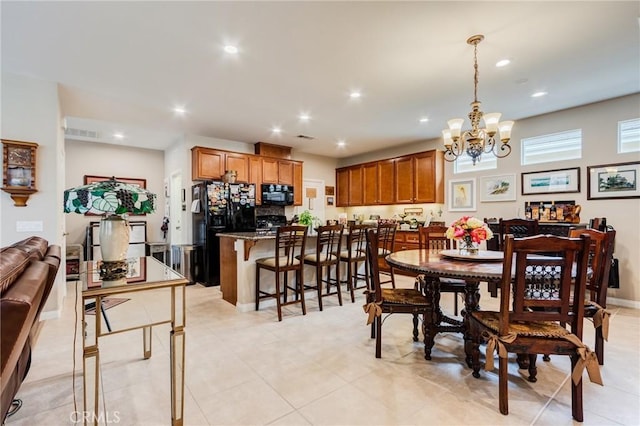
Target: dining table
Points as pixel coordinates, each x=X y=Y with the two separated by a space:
x=484 y=266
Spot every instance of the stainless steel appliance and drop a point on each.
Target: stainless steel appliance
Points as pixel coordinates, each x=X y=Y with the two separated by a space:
x=220 y=207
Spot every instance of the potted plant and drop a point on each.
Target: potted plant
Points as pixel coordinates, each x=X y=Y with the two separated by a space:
x=307 y=219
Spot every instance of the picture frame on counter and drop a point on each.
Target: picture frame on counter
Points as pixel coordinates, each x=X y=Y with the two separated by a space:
x=498 y=188
x=556 y=181
x=613 y=181
x=462 y=195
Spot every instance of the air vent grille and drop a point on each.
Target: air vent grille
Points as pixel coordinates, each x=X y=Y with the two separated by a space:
x=305 y=137
x=90 y=134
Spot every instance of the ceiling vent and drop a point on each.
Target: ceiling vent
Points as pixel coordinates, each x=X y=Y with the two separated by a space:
x=305 y=137
x=82 y=134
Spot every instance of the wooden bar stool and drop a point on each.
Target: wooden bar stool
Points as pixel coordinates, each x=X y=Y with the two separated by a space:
x=290 y=244
x=326 y=257
x=355 y=254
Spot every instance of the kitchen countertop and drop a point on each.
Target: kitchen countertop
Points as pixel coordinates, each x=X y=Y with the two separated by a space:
x=250 y=236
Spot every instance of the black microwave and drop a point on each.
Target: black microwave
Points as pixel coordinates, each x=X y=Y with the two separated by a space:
x=277 y=195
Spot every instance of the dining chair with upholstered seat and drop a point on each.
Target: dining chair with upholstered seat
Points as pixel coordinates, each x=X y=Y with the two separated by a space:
x=390 y=300
x=290 y=246
x=538 y=297
x=386 y=232
x=355 y=254
x=325 y=259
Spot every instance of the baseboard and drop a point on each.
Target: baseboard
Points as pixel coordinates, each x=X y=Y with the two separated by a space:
x=623 y=303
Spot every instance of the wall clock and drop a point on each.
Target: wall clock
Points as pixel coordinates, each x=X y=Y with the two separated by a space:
x=19 y=170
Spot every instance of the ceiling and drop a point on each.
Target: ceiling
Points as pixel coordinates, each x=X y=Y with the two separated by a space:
x=123 y=66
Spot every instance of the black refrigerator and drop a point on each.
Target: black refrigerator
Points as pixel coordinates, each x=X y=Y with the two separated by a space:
x=219 y=207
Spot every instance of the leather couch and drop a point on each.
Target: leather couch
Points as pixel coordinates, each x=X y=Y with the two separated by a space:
x=27 y=272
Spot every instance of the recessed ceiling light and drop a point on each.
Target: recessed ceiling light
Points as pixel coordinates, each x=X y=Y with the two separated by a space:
x=118 y=135
x=231 y=49
x=276 y=129
x=423 y=119
x=180 y=110
x=355 y=94
x=341 y=143
x=538 y=94
x=503 y=63
x=304 y=117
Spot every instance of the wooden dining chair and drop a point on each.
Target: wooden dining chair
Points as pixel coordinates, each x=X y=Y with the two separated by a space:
x=354 y=255
x=535 y=304
x=386 y=232
x=390 y=300
x=290 y=245
x=517 y=227
x=595 y=305
x=325 y=259
x=434 y=239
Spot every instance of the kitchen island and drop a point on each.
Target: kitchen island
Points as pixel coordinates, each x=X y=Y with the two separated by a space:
x=238 y=254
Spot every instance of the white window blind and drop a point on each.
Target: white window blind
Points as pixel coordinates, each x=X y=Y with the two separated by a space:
x=464 y=163
x=629 y=135
x=554 y=147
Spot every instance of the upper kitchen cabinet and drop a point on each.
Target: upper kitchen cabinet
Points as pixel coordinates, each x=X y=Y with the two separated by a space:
x=255 y=175
x=240 y=163
x=420 y=178
x=285 y=172
x=297 y=183
x=207 y=163
x=378 y=182
x=270 y=170
x=349 y=183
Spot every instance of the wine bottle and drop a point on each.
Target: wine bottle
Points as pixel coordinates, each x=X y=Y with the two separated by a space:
x=552 y=211
x=527 y=211
x=541 y=212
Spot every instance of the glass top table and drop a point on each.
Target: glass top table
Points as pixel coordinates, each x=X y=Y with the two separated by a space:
x=143 y=274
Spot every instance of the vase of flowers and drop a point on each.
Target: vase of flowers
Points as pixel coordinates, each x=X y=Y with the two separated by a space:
x=469 y=232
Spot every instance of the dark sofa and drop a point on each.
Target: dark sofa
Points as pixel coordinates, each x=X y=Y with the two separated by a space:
x=27 y=272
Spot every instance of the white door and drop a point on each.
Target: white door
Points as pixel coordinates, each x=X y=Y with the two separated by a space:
x=175 y=206
x=313 y=198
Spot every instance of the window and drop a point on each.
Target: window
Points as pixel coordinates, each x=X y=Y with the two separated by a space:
x=554 y=147
x=464 y=164
x=629 y=135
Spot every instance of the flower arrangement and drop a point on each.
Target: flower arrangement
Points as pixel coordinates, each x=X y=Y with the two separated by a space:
x=469 y=231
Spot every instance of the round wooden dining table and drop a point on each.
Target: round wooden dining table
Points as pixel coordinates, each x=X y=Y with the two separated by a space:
x=486 y=266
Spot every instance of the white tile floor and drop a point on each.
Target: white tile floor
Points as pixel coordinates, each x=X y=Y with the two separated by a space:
x=248 y=368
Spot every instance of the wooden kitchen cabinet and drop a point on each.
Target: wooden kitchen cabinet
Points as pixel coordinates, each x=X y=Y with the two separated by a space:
x=285 y=172
x=349 y=186
x=297 y=183
x=207 y=163
x=420 y=178
x=270 y=170
x=240 y=163
x=378 y=182
x=255 y=176
x=404 y=170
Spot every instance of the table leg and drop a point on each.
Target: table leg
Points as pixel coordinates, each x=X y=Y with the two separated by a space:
x=146 y=342
x=471 y=304
x=91 y=365
x=431 y=322
x=177 y=343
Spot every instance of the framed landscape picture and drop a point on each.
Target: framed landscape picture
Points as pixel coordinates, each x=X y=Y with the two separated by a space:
x=462 y=195
x=498 y=188
x=551 y=181
x=609 y=181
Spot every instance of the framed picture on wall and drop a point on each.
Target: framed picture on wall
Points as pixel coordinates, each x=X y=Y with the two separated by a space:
x=609 y=181
x=498 y=188
x=551 y=181
x=462 y=195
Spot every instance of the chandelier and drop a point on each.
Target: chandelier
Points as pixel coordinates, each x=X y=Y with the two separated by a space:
x=478 y=140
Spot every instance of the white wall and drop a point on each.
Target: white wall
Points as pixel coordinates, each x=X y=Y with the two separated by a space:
x=598 y=122
x=90 y=158
x=31 y=112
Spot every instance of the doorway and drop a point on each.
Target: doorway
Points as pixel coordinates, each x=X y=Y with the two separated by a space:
x=175 y=209
x=313 y=198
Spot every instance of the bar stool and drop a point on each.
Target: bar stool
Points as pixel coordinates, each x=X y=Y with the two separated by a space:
x=386 y=233
x=327 y=255
x=290 y=244
x=356 y=253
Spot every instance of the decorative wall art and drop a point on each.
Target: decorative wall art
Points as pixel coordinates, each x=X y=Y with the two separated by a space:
x=498 y=188
x=609 y=181
x=551 y=181
x=462 y=195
